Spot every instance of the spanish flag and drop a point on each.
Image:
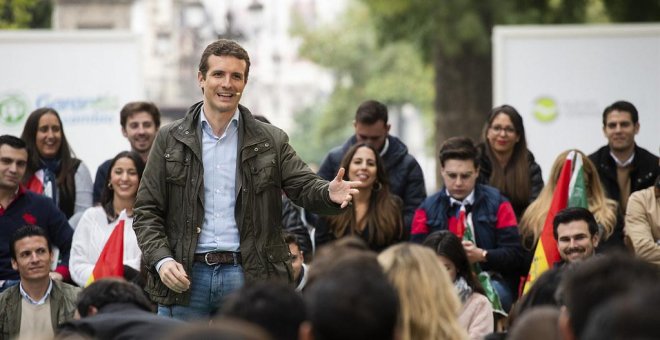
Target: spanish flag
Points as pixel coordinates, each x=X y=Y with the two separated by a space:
x=111 y=260
x=570 y=191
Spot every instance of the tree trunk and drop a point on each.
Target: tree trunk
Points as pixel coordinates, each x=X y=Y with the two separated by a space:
x=463 y=87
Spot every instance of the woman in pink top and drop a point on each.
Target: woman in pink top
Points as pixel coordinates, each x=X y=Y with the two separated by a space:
x=476 y=314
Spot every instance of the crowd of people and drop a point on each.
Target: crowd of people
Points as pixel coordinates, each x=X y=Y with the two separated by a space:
x=228 y=234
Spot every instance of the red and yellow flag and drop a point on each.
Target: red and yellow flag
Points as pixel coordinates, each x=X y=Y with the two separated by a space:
x=546 y=253
x=111 y=260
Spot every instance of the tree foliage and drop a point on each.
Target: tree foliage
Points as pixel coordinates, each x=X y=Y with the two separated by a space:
x=455 y=38
x=394 y=74
x=16 y=14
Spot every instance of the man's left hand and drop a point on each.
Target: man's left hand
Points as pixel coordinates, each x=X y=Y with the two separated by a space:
x=341 y=192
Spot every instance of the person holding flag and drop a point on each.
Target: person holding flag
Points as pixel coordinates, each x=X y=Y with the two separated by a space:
x=487 y=219
x=573 y=182
x=104 y=244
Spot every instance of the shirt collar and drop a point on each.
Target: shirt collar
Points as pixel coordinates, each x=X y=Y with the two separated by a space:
x=469 y=200
x=385 y=146
x=625 y=163
x=206 y=127
x=27 y=297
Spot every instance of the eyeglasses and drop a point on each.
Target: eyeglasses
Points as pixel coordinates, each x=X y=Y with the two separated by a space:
x=507 y=130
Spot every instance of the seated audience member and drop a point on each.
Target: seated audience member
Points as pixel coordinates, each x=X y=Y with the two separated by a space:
x=623 y=167
x=220 y=329
x=489 y=214
x=643 y=223
x=476 y=315
x=19 y=207
x=302 y=224
x=375 y=213
x=405 y=176
x=540 y=323
x=139 y=123
x=631 y=316
x=542 y=293
x=603 y=209
x=589 y=284
x=300 y=269
x=37 y=305
x=429 y=305
x=52 y=169
x=576 y=233
x=97 y=223
x=505 y=162
x=274 y=306
x=115 y=309
x=347 y=287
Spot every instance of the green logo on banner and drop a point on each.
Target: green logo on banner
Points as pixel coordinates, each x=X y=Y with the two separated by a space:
x=545 y=109
x=13 y=108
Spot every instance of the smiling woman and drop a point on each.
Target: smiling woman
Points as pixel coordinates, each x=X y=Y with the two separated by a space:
x=376 y=213
x=97 y=223
x=52 y=168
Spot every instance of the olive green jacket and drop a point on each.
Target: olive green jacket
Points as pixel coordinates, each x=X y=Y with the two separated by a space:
x=169 y=209
x=62 y=307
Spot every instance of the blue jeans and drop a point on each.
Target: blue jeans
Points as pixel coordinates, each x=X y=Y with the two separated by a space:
x=208 y=288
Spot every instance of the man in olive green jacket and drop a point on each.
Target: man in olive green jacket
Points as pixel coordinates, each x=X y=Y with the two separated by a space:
x=174 y=211
x=45 y=303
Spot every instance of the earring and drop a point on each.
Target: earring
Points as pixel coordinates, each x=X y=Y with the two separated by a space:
x=109 y=185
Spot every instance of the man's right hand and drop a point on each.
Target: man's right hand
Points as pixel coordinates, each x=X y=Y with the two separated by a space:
x=174 y=276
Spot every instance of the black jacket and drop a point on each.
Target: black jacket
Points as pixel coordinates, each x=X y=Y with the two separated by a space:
x=121 y=321
x=405 y=174
x=645 y=170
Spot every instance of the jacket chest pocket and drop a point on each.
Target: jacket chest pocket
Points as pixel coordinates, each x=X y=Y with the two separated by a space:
x=264 y=172
x=177 y=165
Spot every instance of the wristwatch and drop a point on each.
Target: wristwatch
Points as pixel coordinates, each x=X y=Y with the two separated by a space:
x=484 y=252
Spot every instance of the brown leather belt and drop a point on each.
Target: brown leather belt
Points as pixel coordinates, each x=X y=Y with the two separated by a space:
x=219 y=257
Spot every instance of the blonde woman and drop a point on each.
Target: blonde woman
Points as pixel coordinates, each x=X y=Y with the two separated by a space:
x=604 y=209
x=429 y=303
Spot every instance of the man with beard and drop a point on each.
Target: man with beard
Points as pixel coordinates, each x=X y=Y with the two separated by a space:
x=139 y=123
x=576 y=233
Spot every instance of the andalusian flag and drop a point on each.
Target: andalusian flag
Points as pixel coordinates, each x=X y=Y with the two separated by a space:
x=569 y=192
x=465 y=231
x=111 y=260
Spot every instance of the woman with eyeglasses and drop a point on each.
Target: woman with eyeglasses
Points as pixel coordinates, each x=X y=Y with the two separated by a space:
x=505 y=161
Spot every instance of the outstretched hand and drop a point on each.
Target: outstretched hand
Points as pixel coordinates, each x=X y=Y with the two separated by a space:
x=341 y=192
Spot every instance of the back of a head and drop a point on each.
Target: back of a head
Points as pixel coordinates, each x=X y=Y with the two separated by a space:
x=540 y=323
x=273 y=305
x=111 y=290
x=220 y=329
x=592 y=283
x=429 y=304
x=633 y=316
x=542 y=293
x=352 y=300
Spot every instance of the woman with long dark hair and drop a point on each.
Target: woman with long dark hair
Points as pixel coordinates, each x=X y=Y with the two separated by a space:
x=375 y=214
x=52 y=168
x=97 y=223
x=505 y=161
x=476 y=314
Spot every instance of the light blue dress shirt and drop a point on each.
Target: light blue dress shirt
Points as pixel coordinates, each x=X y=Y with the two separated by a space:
x=219 y=229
